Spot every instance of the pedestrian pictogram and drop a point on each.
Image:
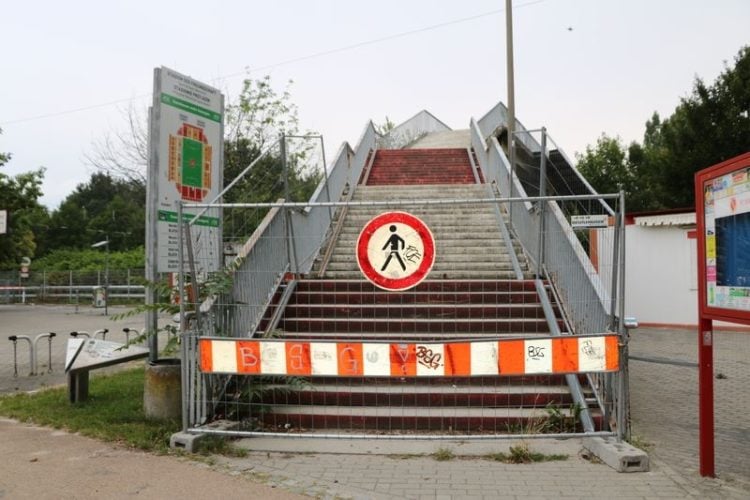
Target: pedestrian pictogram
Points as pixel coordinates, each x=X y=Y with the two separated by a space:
x=395 y=250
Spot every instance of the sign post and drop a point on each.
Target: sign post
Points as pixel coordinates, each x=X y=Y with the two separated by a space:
x=185 y=165
x=722 y=205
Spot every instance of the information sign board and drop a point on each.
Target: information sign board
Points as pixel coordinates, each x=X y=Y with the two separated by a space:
x=187 y=146
x=723 y=216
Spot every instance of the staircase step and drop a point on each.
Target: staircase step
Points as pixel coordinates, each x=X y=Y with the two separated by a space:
x=444 y=274
x=433 y=285
x=405 y=336
x=408 y=394
x=454 y=257
x=424 y=325
x=402 y=298
x=426 y=166
x=496 y=420
x=438 y=267
x=415 y=311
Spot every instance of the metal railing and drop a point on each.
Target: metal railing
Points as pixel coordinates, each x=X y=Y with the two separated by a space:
x=285 y=241
x=562 y=258
x=71 y=287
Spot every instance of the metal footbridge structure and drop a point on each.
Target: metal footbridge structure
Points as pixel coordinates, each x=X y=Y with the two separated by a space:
x=515 y=330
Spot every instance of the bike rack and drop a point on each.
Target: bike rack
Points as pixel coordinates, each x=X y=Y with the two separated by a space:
x=33 y=346
x=15 y=339
x=49 y=336
x=132 y=331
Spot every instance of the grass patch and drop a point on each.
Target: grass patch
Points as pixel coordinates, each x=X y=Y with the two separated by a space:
x=443 y=455
x=404 y=456
x=114 y=412
x=220 y=445
x=521 y=454
x=640 y=443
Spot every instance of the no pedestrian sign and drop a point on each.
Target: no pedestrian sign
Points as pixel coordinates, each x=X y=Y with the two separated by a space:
x=395 y=251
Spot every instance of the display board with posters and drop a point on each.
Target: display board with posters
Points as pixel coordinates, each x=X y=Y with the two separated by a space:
x=723 y=214
x=186 y=161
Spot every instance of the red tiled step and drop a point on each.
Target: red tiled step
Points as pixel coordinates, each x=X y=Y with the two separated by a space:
x=421 y=166
x=425 y=286
x=383 y=297
x=415 y=311
x=399 y=325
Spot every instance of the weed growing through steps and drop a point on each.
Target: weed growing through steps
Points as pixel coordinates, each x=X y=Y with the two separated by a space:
x=521 y=454
x=443 y=454
x=640 y=442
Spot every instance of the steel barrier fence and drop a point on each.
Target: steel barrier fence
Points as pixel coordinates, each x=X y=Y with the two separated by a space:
x=511 y=334
x=590 y=305
x=288 y=319
x=259 y=261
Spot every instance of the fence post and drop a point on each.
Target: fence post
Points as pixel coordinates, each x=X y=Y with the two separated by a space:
x=619 y=221
x=542 y=204
x=623 y=425
x=325 y=178
x=287 y=211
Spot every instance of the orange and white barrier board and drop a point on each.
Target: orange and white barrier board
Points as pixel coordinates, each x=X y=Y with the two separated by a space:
x=457 y=359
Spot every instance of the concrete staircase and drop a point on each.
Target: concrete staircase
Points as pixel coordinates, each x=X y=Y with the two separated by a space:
x=472 y=292
x=469 y=244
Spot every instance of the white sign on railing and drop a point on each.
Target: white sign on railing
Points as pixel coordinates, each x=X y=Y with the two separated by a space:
x=3 y=221
x=589 y=221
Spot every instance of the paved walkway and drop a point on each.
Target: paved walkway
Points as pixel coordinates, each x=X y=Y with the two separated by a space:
x=46 y=464
x=51 y=464
x=664 y=400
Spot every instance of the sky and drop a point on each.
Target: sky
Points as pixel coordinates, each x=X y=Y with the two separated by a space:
x=582 y=67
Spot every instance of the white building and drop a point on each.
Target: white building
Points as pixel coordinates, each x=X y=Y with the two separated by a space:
x=661 y=274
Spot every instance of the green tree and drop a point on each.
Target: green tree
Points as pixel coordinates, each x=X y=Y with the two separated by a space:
x=19 y=195
x=102 y=207
x=609 y=166
x=710 y=125
x=254 y=122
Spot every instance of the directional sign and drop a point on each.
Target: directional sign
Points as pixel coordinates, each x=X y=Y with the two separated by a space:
x=395 y=251
x=589 y=221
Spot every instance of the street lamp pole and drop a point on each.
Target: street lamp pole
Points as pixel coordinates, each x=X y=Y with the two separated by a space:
x=106 y=276
x=105 y=243
x=511 y=90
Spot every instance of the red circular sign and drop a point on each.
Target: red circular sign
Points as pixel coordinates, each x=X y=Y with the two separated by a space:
x=395 y=251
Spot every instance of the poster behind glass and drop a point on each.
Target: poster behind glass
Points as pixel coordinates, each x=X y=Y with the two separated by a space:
x=727 y=216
